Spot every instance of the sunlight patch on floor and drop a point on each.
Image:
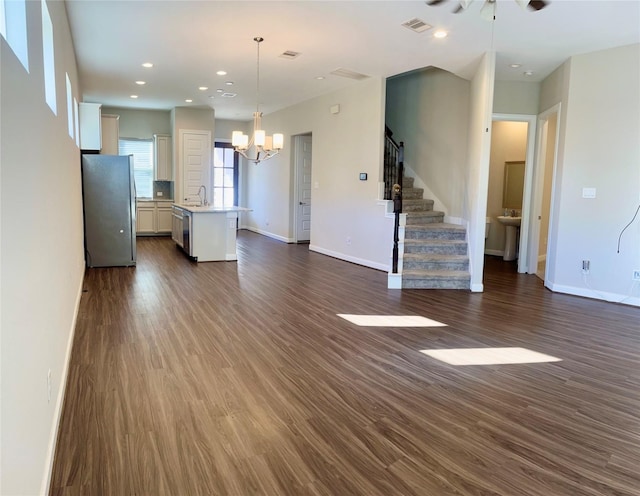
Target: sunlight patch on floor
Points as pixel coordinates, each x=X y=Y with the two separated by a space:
x=391 y=320
x=489 y=356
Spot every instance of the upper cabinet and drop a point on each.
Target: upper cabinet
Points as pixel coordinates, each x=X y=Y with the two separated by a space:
x=163 y=170
x=110 y=134
x=89 y=117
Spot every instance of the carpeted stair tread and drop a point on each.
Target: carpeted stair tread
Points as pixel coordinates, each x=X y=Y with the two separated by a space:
x=435 y=257
x=435 y=274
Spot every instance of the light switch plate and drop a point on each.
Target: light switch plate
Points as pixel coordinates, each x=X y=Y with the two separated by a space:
x=588 y=192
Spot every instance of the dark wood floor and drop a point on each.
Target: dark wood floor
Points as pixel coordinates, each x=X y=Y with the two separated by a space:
x=239 y=379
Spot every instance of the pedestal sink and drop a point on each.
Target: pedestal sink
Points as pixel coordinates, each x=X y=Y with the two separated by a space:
x=512 y=224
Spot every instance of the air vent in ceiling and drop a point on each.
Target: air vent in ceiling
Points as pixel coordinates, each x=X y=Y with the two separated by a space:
x=417 y=25
x=226 y=94
x=349 y=74
x=289 y=54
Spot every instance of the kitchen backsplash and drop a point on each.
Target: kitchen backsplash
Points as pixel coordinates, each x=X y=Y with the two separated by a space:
x=164 y=187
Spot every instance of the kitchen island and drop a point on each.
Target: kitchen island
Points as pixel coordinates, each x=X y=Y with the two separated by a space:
x=206 y=233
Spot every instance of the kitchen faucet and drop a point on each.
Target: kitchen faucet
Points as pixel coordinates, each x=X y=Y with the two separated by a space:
x=205 y=203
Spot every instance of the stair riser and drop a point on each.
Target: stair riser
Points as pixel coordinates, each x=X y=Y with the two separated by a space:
x=412 y=193
x=410 y=233
x=425 y=219
x=429 y=265
x=407 y=182
x=457 y=249
x=435 y=284
x=417 y=205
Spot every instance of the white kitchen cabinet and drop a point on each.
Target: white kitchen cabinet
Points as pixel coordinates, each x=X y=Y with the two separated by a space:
x=154 y=218
x=110 y=134
x=146 y=218
x=89 y=117
x=163 y=170
x=164 y=214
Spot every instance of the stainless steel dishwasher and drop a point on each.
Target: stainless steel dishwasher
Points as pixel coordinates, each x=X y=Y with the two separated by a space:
x=186 y=232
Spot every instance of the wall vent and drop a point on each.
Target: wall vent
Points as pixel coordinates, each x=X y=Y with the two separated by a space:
x=417 y=25
x=289 y=54
x=349 y=74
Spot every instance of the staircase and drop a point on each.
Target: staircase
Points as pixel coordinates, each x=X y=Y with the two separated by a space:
x=435 y=253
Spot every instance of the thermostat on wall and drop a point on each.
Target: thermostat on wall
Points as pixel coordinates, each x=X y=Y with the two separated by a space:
x=363 y=176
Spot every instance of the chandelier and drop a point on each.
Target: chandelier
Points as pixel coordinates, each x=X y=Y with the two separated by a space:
x=265 y=146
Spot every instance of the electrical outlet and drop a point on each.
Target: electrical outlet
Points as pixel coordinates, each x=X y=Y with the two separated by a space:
x=49 y=386
x=585 y=266
x=636 y=275
x=159 y=193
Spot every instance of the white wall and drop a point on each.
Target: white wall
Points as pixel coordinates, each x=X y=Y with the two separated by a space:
x=42 y=262
x=428 y=109
x=600 y=150
x=516 y=97
x=141 y=123
x=475 y=206
x=344 y=145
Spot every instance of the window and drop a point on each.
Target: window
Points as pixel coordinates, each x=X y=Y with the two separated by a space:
x=225 y=175
x=70 y=121
x=48 y=59
x=142 y=151
x=13 y=25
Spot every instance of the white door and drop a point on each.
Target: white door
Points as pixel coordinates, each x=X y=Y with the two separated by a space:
x=303 y=173
x=196 y=163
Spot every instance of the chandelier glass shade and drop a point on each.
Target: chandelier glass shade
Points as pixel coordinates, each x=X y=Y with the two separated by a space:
x=259 y=147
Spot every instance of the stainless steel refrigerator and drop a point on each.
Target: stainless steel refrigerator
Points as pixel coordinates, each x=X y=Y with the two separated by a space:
x=109 y=197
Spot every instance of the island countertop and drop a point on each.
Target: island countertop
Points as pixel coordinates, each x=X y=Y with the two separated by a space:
x=210 y=209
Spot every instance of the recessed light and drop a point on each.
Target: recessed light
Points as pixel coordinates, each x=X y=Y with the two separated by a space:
x=319 y=78
x=514 y=66
x=440 y=33
x=221 y=73
x=219 y=90
x=147 y=65
x=203 y=88
x=188 y=100
x=134 y=96
x=141 y=82
x=528 y=73
x=229 y=83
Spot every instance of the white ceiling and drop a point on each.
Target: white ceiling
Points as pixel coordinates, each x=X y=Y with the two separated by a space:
x=188 y=41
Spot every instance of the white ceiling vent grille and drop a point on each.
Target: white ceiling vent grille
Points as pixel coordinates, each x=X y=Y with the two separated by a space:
x=349 y=74
x=226 y=94
x=289 y=54
x=417 y=25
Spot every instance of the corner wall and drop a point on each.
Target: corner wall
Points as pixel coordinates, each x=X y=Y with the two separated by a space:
x=42 y=252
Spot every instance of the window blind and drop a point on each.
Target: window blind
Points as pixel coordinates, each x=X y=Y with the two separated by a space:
x=142 y=151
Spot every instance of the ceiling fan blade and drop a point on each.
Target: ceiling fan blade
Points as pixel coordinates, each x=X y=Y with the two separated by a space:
x=537 y=4
x=434 y=2
x=462 y=6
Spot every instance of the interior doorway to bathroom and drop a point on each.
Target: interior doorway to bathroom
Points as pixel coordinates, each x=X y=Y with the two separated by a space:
x=510 y=184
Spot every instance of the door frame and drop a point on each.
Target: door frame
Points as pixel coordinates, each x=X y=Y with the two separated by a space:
x=180 y=173
x=525 y=224
x=297 y=143
x=541 y=142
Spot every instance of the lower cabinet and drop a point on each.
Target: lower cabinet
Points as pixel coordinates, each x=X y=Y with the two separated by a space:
x=153 y=218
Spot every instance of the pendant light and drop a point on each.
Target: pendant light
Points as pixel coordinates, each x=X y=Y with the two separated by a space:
x=265 y=146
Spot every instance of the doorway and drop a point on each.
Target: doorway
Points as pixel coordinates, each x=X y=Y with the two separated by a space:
x=302 y=190
x=524 y=131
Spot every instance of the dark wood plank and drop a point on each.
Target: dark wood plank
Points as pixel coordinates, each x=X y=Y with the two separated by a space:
x=239 y=378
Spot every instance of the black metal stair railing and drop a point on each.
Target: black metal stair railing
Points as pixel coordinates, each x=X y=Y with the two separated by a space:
x=393 y=174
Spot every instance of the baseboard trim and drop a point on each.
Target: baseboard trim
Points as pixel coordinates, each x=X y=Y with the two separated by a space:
x=269 y=234
x=394 y=281
x=53 y=439
x=495 y=253
x=477 y=288
x=594 y=294
x=348 y=258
